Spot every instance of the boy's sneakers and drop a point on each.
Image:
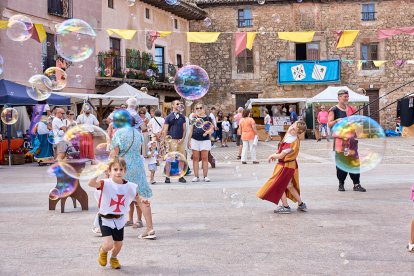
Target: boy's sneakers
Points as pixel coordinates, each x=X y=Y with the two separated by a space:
x=283 y=210
x=115 y=263
x=302 y=207
x=410 y=247
x=182 y=180
x=195 y=179
x=167 y=180
x=149 y=235
x=103 y=257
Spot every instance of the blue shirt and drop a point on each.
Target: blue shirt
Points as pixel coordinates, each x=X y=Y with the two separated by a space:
x=175 y=122
x=293 y=117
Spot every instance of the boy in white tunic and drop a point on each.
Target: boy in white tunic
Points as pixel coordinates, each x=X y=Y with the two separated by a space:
x=116 y=196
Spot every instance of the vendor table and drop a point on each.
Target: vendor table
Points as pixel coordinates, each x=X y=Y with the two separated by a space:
x=79 y=193
x=14 y=144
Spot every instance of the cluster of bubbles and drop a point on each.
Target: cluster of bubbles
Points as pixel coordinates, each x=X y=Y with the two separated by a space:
x=19 y=28
x=9 y=116
x=66 y=185
x=359 y=144
x=75 y=40
x=176 y=165
x=93 y=143
x=191 y=82
x=200 y=123
x=42 y=85
x=237 y=200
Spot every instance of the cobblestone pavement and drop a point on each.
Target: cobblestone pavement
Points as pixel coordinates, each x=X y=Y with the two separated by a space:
x=220 y=227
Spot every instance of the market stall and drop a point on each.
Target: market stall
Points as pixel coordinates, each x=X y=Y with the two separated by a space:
x=278 y=109
x=329 y=98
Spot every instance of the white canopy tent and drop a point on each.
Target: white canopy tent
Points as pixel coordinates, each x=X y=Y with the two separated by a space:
x=269 y=101
x=330 y=95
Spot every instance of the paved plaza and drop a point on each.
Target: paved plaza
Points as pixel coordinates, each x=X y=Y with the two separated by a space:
x=200 y=232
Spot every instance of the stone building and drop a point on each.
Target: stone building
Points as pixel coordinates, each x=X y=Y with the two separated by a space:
x=255 y=74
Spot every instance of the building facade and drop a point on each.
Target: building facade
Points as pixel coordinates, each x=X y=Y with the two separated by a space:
x=254 y=73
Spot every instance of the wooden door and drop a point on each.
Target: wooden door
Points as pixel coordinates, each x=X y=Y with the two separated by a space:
x=374 y=106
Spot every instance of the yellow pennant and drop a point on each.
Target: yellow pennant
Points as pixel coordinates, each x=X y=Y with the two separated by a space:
x=250 y=40
x=379 y=63
x=3 y=24
x=297 y=36
x=347 y=38
x=164 y=34
x=202 y=37
x=125 y=34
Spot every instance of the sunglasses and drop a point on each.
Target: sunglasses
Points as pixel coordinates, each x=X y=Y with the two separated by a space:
x=198 y=108
x=71 y=114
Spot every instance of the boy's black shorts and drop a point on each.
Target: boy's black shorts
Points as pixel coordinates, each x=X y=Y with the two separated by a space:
x=117 y=235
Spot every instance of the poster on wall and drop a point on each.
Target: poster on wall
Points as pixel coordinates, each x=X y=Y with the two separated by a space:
x=308 y=71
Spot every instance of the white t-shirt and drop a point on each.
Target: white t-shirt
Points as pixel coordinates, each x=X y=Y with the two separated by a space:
x=88 y=120
x=267 y=119
x=226 y=126
x=153 y=159
x=213 y=119
x=156 y=128
x=42 y=128
x=56 y=125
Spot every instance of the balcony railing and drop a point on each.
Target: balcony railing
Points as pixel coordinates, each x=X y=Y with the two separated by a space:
x=244 y=23
x=368 y=16
x=62 y=8
x=115 y=66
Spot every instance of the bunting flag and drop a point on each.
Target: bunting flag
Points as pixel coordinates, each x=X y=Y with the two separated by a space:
x=386 y=33
x=125 y=34
x=379 y=63
x=400 y=62
x=346 y=38
x=38 y=33
x=164 y=33
x=360 y=62
x=202 y=37
x=302 y=37
x=410 y=61
x=3 y=24
x=243 y=41
x=156 y=34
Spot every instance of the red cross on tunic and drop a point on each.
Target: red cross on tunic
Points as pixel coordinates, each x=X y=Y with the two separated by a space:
x=117 y=203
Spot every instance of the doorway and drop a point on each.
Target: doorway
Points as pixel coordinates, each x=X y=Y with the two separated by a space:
x=374 y=106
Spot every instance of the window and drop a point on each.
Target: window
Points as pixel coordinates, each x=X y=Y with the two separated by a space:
x=115 y=45
x=241 y=99
x=245 y=61
x=244 y=18
x=175 y=23
x=179 y=61
x=307 y=51
x=62 y=8
x=159 y=61
x=111 y=4
x=369 y=53
x=147 y=13
x=368 y=12
x=48 y=51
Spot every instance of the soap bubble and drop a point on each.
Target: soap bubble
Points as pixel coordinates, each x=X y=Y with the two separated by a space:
x=57 y=76
x=181 y=107
x=191 y=82
x=9 y=116
x=207 y=22
x=188 y=103
x=276 y=18
x=1 y=64
x=262 y=30
x=359 y=144
x=207 y=125
x=172 y=2
x=78 y=78
x=54 y=194
x=199 y=122
x=122 y=118
x=93 y=156
x=75 y=40
x=39 y=90
x=19 y=28
x=175 y=165
x=149 y=73
x=66 y=185
x=261 y=2
x=144 y=90
x=130 y=3
x=171 y=80
x=237 y=200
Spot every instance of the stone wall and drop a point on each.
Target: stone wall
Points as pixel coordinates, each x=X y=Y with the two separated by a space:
x=218 y=58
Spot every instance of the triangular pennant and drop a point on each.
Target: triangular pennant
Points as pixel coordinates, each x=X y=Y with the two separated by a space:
x=379 y=63
x=164 y=33
x=250 y=40
x=346 y=38
x=241 y=40
x=301 y=37
x=202 y=37
x=38 y=33
x=3 y=24
x=125 y=34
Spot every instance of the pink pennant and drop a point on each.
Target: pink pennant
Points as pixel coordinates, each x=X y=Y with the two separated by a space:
x=241 y=41
x=386 y=33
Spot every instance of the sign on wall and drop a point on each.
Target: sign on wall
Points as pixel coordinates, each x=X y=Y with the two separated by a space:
x=308 y=71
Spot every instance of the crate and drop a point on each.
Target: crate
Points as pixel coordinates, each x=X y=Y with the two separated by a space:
x=16 y=159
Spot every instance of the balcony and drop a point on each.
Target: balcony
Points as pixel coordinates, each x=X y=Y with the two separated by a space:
x=244 y=23
x=61 y=8
x=368 y=16
x=112 y=70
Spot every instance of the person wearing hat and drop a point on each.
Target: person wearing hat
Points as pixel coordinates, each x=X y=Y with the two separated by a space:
x=336 y=114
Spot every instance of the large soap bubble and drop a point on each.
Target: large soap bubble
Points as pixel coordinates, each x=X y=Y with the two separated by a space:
x=58 y=78
x=66 y=185
x=359 y=144
x=9 y=116
x=191 y=82
x=122 y=118
x=92 y=142
x=19 y=28
x=176 y=165
x=39 y=90
x=75 y=40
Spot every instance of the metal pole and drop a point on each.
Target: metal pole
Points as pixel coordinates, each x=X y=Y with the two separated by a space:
x=9 y=142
